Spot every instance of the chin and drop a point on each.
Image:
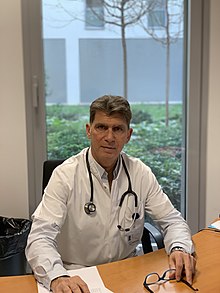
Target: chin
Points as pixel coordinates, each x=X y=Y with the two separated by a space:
x=110 y=152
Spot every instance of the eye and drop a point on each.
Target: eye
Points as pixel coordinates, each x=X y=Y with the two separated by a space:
x=118 y=129
x=101 y=127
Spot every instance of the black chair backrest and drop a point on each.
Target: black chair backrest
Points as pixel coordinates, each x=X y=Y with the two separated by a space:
x=149 y=230
x=48 y=168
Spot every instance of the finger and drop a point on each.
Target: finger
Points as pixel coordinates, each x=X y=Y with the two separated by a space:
x=172 y=267
x=179 y=268
x=172 y=263
x=176 y=261
x=79 y=288
x=75 y=288
x=172 y=274
x=172 y=271
x=193 y=259
x=189 y=268
x=71 y=284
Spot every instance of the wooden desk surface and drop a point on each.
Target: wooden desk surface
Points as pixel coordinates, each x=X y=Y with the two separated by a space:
x=127 y=276
x=133 y=271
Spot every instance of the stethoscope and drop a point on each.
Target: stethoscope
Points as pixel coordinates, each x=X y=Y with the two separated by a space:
x=90 y=207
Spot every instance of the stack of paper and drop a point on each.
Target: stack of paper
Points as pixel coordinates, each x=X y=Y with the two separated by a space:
x=90 y=275
x=215 y=225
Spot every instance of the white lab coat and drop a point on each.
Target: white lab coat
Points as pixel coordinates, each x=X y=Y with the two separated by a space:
x=63 y=235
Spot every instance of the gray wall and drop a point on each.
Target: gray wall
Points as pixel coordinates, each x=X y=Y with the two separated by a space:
x=101 y=69
x=55 y=70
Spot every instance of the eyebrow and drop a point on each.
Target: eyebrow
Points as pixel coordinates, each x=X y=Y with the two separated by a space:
x=112 y=126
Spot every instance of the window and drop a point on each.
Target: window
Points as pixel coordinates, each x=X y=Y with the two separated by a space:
x=94 y=14
x=156 y=19
x=94 y=66
x=157 y=15
x=99 y=68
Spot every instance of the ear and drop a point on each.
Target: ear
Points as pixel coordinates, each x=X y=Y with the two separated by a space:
x=130 y=130
x=88 y=130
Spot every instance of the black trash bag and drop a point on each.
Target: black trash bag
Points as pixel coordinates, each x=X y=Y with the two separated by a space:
x=13 y=240
x=13 y=235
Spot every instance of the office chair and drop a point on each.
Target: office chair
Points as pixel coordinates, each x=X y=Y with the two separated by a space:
x=151 y=235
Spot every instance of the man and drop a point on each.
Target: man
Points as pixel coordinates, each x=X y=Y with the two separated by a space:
x=88 y=216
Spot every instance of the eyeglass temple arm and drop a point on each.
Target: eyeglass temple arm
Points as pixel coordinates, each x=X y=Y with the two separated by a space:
x=188 y=284
x=148 y=289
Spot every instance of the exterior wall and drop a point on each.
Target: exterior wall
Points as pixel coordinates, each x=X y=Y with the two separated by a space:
x=101 y=70
x=55 y=65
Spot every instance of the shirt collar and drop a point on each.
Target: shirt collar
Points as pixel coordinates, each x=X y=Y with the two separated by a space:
x=96 y=166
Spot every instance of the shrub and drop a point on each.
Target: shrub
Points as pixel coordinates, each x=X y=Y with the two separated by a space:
x=158 y=146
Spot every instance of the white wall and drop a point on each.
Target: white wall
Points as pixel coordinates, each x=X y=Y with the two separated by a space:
x=213 y=130
x=13 y=151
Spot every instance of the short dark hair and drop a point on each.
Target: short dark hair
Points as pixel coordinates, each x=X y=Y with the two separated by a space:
x=110 y=105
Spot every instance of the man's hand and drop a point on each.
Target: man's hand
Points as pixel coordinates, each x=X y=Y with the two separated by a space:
x=185 y=265
x=68 y=285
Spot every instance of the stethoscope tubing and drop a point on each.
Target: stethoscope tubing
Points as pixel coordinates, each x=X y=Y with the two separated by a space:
x=90 y=207
x=90 y=175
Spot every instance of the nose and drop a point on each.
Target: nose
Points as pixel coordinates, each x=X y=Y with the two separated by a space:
x=110 y=135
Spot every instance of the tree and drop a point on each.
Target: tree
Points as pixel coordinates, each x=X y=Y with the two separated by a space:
x=167 y=15
x=122 y=13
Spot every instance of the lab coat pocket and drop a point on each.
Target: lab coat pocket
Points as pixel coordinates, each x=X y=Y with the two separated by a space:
x=133 y=228
x=133 y=236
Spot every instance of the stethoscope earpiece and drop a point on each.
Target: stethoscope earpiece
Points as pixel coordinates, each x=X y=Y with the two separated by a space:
x=122 y=229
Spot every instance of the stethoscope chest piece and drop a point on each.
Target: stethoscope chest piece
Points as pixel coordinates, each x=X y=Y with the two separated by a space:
x=89 y=208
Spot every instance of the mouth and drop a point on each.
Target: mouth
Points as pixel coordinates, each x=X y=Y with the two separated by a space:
x=108 y=148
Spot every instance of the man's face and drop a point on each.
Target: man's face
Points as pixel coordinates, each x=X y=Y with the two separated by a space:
x=108 y=136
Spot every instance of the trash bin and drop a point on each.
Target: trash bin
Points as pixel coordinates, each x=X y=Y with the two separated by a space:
x=13 y=239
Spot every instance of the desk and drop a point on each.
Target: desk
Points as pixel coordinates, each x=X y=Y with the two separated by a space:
x=127 y=276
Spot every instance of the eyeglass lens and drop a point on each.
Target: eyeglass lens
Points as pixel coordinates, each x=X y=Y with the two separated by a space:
x=153 y=280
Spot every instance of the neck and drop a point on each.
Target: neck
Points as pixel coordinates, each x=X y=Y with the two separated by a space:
x=110 y=179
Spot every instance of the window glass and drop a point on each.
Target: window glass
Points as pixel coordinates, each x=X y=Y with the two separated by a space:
x=156 y=19
x=124 y=58
x=94 y=14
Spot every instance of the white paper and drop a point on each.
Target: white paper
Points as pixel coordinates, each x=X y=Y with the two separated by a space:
x=215 y=225
x=90 y=275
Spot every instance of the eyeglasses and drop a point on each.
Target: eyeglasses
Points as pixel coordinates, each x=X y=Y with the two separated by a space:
x=154 y=279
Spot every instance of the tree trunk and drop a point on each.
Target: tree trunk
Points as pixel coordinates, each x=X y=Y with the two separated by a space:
x=167 y=82
x=125 y=69
x=124 y=51
x=167 y=63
